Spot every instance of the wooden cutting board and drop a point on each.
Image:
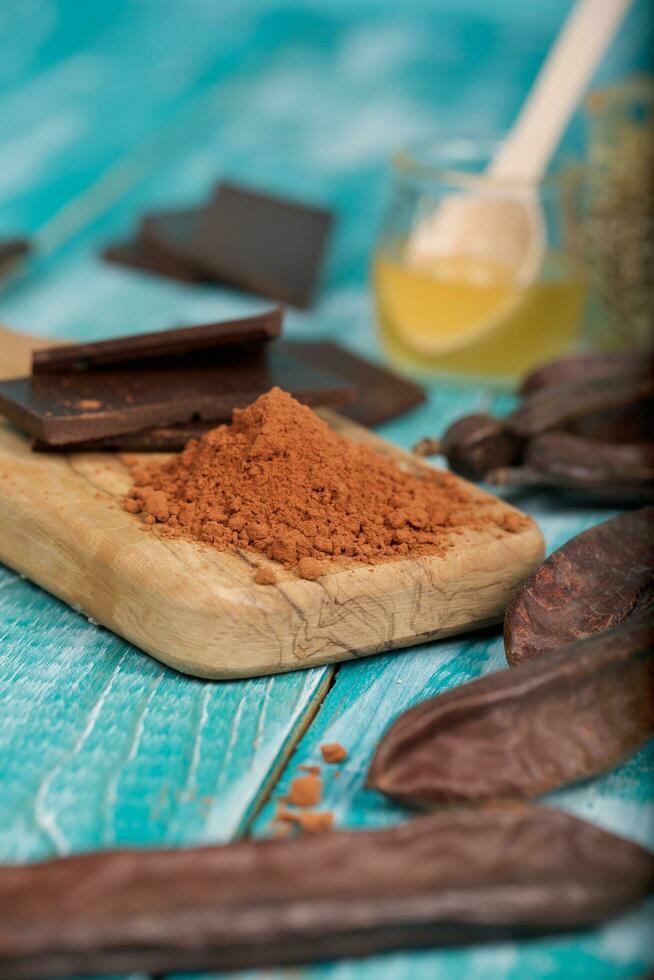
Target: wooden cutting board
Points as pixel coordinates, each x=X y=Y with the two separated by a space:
x=197 y=609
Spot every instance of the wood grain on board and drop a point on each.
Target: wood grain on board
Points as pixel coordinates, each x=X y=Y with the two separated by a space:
x=198 y=610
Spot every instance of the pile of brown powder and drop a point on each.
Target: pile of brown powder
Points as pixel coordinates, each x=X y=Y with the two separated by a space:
x=280 y=482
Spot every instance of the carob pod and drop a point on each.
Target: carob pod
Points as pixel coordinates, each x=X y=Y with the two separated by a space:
x=517 y=733
x=632 y=422
x=583 y=367
x=559 y=405
x=596 y=581
x=475 y=444
x=609 y=398
x=459 y=876
x=601 y=470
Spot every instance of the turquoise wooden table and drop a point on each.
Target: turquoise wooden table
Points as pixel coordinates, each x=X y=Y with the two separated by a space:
x=107 y=109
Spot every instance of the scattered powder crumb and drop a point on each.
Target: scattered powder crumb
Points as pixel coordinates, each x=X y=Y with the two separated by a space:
x=305 y=790
x=280 y=482
x=513 y=522
x=333 y=752
x=156 y=506
x=265 y=576
x=139 y=474
x=315 y=770
x=132 y=506
x=427 y=447
x=284 y=831
x=310 y=569
x=280 y=807
x=316 y=822
x=89 y=404
x=313 y=823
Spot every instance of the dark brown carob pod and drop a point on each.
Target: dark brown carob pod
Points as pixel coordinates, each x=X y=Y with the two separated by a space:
x=477 y=443
x=560 y=405
x=604 y=398
x=518 y=733
x=596 y=581
x=459 y=876
x=600 y=470
x=583 y=367
x=630 y=422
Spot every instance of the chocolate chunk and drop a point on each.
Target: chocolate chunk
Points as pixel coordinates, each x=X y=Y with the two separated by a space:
x=162 y=344
x=261 y=243
x=254 y=241
x=171 y=233
x=160 y=439
x=381 y=395
x=204 y=387
x=160 y=246
x=144 y=256
x=11 y=250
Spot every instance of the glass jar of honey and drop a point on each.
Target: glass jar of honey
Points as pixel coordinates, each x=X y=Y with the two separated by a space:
x=472 y=305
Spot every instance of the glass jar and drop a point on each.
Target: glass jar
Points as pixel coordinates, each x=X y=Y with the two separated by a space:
x=620 y=226
x=475 y=310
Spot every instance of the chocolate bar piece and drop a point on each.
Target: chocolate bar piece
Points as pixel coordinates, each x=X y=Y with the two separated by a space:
x=160 y=246
x=88 y=405
x=11 y=250
x=261 y=243
x=162 y=344
x=160 y=439
x=254 y=241
x=380 y=396
x=171 y=234
x=142 y=255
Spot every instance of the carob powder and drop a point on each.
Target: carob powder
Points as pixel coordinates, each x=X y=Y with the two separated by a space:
x=280 y=482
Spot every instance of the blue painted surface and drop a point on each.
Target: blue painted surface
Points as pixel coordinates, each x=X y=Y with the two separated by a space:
x=107 y=109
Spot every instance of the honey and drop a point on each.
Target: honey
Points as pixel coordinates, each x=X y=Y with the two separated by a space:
x=465 y=316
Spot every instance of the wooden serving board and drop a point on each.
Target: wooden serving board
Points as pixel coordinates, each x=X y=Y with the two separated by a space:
x=197 y=609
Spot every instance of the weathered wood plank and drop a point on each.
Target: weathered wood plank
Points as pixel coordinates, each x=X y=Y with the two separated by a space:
x=94 y=87
x=101 y=745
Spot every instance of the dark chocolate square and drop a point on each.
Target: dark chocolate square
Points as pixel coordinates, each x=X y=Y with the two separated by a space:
x=146 y=257
x=381 y=394
x=261 y=243
x=170 y=234
x=162 y=345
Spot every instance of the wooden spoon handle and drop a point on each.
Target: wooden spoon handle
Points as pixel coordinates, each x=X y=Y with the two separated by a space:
x=568 y=68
